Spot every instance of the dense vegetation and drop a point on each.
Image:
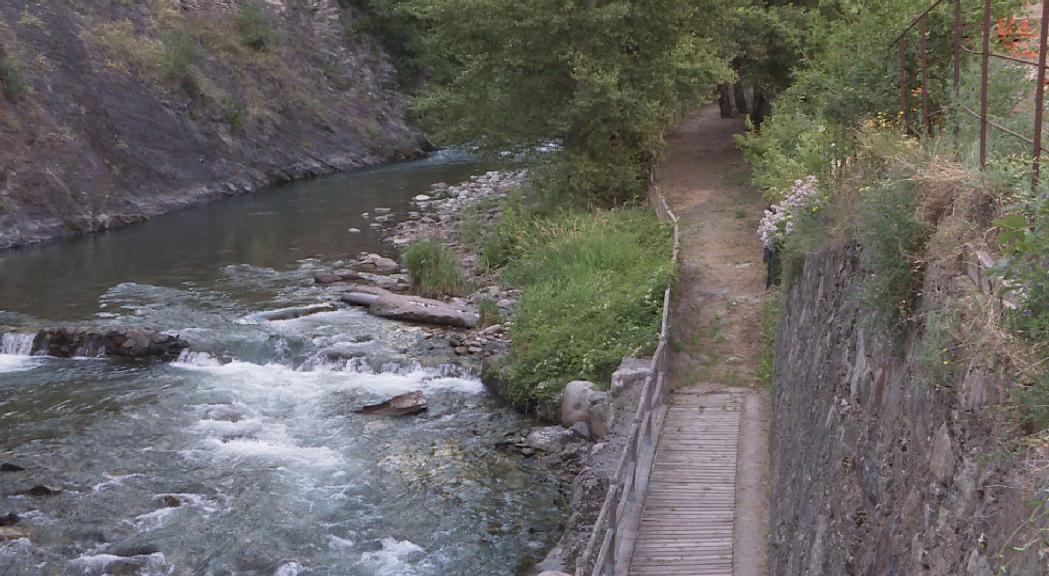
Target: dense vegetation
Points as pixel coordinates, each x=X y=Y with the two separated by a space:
x=910 y=199
x=592 y=292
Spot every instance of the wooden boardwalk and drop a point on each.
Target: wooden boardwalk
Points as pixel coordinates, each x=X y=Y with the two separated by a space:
x=688 y=515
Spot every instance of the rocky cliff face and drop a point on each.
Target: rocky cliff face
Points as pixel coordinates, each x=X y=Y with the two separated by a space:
x=875 y=470
x=112 y=111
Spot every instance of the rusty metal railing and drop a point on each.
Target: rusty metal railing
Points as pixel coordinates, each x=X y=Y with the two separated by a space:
x=921 y=22
x=609 y=551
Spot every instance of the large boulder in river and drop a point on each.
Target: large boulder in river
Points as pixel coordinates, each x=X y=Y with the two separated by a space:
x=122 y=343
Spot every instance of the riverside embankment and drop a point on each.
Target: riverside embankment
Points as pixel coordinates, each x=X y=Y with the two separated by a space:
x=113 y=112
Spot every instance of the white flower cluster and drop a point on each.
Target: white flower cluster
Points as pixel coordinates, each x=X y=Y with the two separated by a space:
x=778 y=222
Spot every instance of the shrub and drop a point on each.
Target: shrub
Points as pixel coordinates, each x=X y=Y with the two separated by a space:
x=893 y=238
x=235 y=113
x=255 y=31
x=434 y=269
x=938 y=351
x=11 y=84
x=592 y=292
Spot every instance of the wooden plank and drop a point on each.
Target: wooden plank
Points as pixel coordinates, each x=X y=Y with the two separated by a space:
x=688 y=517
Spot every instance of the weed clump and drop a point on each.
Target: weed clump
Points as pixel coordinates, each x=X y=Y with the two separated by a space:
x=434 y=270
x=11 y=84
x=255 y=31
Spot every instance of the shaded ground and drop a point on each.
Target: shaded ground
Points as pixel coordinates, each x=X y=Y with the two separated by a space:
x=716 y=337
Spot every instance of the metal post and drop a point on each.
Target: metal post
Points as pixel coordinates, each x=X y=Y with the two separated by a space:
x=1039 y=104
x=924 y=31
x=903 y=83
x=984 y=81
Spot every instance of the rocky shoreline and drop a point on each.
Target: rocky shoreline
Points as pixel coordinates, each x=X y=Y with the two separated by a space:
x=582 y=433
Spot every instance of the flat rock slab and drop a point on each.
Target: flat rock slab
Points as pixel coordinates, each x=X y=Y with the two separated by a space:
x=402 y=405
x=411 y=308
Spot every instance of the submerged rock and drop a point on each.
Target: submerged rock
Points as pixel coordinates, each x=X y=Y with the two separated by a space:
x=41 y=491
x=294 y=312
x=8 y=467
x=9 y=519
x=9 y=533
x=333 y=276
x=402 y=405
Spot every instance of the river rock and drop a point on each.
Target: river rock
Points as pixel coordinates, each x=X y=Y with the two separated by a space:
x=8 y=467
x=41 y=491
x=631 y=372
x=582 y=402
x=293 y=312
x=9 y=519
x=417 y=309
x=124 y=343
x=333 y=276
x=9 y=533
x=402 y=405
x=380 y=263
x=548 y=439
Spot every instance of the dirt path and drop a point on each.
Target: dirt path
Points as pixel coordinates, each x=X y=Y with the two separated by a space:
x=716 y=338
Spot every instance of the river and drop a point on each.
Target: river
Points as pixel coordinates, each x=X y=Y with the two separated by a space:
x=245 y=456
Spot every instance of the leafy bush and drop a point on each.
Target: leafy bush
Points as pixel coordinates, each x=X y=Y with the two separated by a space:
x=434 y=269
x=254 y=29
x=893 y=239
x=938 y=350
x=1026 y=242
x=592 y=292
x=11 y=84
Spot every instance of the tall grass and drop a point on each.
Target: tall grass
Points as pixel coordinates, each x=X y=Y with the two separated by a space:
x=434 y=270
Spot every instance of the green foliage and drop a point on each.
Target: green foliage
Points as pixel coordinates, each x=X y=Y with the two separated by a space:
x=938 y=350
x=603 y=80
x=11 y=84
x=181 y=52
x=489 y=312
x=254 y=29
x=893 y=240
x=236 y=113
x=1025 y=240
x=399 y=30
x=771 y=312
x=592 y=292
x=434 y=269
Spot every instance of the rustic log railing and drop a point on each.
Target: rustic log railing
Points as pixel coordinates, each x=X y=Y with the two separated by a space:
x=609 y=549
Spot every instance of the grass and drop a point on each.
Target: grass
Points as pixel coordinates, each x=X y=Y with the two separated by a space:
x=434 y=270
x=592 y=287
x=11 y=83
x=254 y=30
x=771 y=312
x=489 y=312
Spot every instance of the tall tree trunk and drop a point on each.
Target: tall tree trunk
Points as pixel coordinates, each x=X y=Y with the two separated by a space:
x=762 y=108
x=725 y=101
x=740 y=96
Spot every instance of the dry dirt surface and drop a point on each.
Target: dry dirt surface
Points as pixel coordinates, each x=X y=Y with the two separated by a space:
x=716 y=336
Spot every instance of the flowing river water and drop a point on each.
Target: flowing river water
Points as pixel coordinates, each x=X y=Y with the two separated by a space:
x=245 y=456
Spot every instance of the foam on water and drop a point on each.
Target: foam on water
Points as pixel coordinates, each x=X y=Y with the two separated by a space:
x=395 y=559
x=17 y=363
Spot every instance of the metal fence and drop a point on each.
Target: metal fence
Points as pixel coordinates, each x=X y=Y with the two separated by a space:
x=1005 y=33
x=609 y=550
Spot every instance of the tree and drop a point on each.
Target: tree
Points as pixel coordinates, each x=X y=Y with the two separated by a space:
x=601 y=79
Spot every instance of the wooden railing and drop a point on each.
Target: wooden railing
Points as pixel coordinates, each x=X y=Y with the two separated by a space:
x=609 y=550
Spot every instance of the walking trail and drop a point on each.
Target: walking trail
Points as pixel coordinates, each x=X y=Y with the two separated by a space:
x=706 y=510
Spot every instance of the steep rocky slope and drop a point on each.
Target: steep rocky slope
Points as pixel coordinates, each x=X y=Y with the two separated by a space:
x=112 y=111
x=883 y=466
